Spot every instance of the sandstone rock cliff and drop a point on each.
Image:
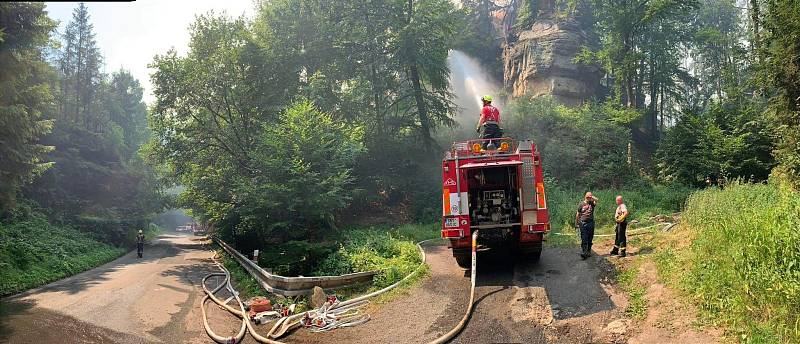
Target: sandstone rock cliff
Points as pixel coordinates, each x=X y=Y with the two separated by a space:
x=539 y=59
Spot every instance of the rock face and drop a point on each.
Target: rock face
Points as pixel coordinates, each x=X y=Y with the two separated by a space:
x=539 y=60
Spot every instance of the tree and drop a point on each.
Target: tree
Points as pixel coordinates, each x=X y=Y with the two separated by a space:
x=122 y=100
x=641 y=53
x=422 y=52
x=582 y=146
x=720 y=61
x=96 y=172
x=79 y=64
x=24 y=95
x=781 y=69
x=726 y=141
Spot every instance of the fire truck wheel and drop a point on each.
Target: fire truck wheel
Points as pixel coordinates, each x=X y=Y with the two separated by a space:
x=533 y=256
x=463 y=259
x=531 y=252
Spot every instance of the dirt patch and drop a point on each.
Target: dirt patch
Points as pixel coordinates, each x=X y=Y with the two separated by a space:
x=669 y=318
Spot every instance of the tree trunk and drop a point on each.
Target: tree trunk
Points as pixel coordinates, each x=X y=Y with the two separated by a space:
x=422 y=109
x=755 y=19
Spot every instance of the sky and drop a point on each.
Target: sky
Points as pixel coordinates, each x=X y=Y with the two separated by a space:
x=129 y=34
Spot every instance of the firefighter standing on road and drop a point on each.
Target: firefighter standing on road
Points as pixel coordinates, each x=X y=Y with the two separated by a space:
x=489 y=121
x=140 y=243
x=584 y=220
x=621 y=217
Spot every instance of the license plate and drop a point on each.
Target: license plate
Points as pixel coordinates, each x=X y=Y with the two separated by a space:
x=451 y=222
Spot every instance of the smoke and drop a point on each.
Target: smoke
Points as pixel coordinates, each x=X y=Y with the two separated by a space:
x=469 y=81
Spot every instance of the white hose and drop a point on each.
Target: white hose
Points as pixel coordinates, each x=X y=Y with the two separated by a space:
x=460 y=326
x=668 y=225
x=210 y=295
x=282 y=325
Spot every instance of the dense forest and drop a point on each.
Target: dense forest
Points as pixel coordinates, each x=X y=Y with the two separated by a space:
x=73 y=186
x=313 y=115
x=71 y=134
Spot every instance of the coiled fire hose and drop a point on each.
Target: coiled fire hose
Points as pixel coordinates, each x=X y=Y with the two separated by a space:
x=282 y=325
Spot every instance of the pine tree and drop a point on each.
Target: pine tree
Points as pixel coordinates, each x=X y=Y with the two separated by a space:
x=79 y=64
x=24 y=94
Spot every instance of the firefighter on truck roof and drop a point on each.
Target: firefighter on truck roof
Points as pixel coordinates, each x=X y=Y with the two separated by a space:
x=489 y=121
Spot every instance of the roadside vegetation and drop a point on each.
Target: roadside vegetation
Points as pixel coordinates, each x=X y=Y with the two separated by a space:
x=34 y=252
x=73 y=188
x=741 y=264
x=645 y=202
x=392 y=250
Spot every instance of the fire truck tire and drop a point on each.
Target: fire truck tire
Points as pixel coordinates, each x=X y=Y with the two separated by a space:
x=463 y=258
x=531 y=252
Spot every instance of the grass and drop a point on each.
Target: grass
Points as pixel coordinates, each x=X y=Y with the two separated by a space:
x=743 y=267
x=34 y=252
x=643 y=202
x=390 y=250
x=637 y=304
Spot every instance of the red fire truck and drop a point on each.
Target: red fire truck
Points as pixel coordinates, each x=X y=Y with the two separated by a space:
x=496 y=186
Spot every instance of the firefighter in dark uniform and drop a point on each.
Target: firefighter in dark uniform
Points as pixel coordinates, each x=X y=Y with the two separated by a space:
x=140 y=243
x=489 y=122
x=584 y=220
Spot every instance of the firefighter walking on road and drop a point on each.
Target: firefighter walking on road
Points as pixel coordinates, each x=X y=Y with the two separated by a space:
x=140 y=243
x=489 y=121
x=621 y=217
x=584 y=220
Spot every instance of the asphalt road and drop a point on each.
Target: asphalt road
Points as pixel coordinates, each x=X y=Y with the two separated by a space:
x=561 y=299
x=129 y=300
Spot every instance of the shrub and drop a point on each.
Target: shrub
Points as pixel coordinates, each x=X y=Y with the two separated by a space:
x=34 y=252
x=391 y=251
x=579 y=146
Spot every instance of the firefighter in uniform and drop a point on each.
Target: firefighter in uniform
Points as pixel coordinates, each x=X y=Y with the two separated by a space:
x=489 y=122
x=621 y=217
x=140 y=243
x=584 y=220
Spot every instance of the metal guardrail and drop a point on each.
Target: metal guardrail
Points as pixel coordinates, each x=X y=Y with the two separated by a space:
x=293 y=286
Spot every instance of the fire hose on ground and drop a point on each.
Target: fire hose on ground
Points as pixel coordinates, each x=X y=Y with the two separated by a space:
x=284 y=324
x=667 y=227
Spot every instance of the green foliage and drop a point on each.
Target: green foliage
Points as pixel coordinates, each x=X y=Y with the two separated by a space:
x=24 y=95
x=91 y=176
x=580 y=146
x=725 y=142
x=781 y=69
x=744 y=266
x=637 y=303
x=391 y=251
x=643 y=201
x=265 y=170
x=34 y=252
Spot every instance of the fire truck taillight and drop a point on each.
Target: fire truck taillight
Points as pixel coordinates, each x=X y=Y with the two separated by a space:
x=540 y=196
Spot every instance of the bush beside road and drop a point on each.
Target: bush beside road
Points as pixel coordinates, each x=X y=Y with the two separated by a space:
x=34 y=252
